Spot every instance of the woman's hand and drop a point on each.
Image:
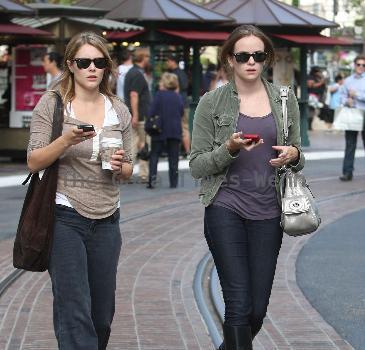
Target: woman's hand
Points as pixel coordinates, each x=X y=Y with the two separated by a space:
x=75 y=136
x=235 y=143
x=117 y=161
x=122 y=169
x=287 y=155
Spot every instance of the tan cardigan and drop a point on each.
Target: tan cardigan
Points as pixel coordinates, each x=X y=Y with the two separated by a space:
x=92 y=191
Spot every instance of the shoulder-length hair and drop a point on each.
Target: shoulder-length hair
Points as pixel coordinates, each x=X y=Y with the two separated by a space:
x=242 y=32
x=66 y=82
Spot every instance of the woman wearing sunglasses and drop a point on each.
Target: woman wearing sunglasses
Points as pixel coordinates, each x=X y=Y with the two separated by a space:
x=86 y=238
x=237 y=150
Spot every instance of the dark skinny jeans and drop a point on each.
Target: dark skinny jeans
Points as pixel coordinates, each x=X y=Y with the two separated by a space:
x=245 y=253
x=172 y=148
x=351 y=142
x=83 y=267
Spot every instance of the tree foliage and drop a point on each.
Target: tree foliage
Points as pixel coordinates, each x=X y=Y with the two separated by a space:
x=358 y=5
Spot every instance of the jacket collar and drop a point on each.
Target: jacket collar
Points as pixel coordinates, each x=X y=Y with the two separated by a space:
x=274 y=93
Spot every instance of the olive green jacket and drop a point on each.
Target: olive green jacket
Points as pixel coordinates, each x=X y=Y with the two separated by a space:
x=215 y=121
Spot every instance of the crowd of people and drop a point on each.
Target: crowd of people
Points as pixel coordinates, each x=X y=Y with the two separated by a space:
x=327 y=100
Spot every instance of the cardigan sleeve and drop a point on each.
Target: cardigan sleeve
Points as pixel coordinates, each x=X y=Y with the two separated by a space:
x=41 y=123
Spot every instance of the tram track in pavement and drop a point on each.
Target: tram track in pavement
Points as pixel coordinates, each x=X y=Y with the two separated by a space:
x=10 y=278
x=14 y=275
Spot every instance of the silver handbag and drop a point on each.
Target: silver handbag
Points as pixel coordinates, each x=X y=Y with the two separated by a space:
x=300 y=214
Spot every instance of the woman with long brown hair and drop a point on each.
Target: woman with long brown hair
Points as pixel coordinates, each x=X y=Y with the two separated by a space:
x=237 y=150
x=87 y=239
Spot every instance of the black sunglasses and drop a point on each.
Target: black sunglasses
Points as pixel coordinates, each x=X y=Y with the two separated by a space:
x=360 y=65
x=243 y=57
x=83 y=63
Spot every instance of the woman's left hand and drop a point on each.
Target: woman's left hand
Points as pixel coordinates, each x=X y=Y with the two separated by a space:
x=287 y=154
x=117 y=161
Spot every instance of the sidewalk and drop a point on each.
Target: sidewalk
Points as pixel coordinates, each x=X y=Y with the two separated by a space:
x=156 y=308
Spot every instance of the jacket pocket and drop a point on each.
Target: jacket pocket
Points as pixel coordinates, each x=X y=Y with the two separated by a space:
x=224 y=126
x=205 y=185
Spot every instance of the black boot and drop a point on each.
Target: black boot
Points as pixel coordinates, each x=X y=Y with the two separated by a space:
x=221 y=347
x=237 y=337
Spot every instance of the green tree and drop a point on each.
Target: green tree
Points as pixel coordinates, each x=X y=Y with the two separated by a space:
x=359 y=6
x=295 y=3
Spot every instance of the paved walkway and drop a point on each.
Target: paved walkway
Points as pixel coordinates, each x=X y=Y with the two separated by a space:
x=156 y=309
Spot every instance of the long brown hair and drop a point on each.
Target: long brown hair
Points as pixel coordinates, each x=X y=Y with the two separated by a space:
x=239 y=33
x=66 y=83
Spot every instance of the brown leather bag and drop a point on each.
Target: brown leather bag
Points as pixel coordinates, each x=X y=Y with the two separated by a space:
x=33 y=241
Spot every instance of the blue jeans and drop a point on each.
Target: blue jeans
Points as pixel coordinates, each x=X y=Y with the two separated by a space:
x=245 y=253
x=83 y=268
x=351 y=141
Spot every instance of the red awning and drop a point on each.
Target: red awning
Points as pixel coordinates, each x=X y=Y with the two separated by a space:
x=16 y=29
x=197 y=35
x=123 y=35
x=313 y=39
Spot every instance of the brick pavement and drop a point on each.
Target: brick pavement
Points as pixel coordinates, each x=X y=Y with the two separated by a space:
x=155 y=307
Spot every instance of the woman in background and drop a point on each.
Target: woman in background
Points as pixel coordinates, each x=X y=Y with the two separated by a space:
x=168 y=105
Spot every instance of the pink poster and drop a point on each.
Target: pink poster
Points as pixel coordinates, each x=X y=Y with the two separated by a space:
x=30 y=78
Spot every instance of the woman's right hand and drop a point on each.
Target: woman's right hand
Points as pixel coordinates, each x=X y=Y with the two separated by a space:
x=235 y=143
x=75 y=136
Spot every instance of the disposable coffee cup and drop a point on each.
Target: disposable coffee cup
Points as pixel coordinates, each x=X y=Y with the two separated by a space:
x=109 y=146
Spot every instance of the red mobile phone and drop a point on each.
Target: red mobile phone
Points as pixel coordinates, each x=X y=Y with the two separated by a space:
x=253 y=137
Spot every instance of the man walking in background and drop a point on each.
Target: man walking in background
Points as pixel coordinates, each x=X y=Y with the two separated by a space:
x=123 y=69
x=52 y=63
x=353 y=95
x=137 y=99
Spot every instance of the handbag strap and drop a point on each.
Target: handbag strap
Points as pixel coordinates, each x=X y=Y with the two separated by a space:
x=284 y=106
x=57 y=117
x=56 y=126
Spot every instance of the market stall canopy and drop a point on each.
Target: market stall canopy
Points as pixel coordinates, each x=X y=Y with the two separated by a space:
x=50 y=10
x=197 y=35
x=314 y=39
x=107 y=24
x=13 y=8
x=16 y=29
x=155 y=10
x=268 y=13
x=173 y=36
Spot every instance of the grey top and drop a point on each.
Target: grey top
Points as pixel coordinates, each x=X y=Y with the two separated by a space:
x=249 y=187
x=92 y=191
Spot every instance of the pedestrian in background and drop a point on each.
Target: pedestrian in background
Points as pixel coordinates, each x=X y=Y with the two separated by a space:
x=209 y=77
x=316 y=84
x=240 y=179
x=52 y=65
x=334 y=90
x=222 y=77
x=86 y=239
x=123 y=69
x=137 y=98
x=168 y=105
x=173 y=67
x=353 y=95
x=334 y=98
